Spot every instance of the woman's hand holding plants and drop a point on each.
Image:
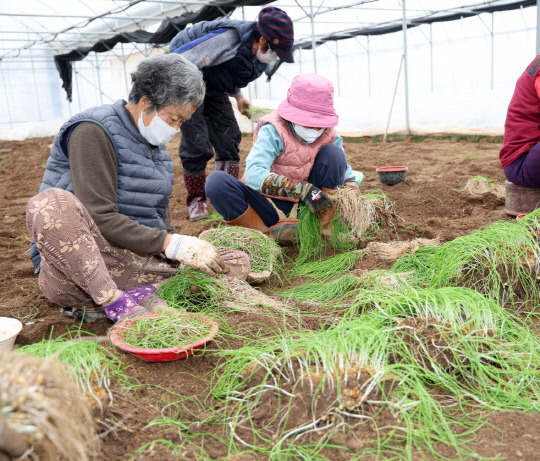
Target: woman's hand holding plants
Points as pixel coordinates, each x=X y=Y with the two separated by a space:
x=316 y=200
x=196 y=253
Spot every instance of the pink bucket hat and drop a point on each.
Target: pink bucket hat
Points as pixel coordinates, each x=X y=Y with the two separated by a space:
x=310 y=102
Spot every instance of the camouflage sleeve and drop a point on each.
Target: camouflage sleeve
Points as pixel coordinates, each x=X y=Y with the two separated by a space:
x=281 y=186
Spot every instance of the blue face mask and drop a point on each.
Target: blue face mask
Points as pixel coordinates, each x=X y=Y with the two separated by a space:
x=308 y=134
x=158 y=132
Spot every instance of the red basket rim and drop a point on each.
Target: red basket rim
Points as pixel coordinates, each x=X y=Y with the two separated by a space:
x=392 y=168
x=117 y=340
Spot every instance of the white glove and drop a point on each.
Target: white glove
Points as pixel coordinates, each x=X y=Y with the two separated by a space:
x=195 y=253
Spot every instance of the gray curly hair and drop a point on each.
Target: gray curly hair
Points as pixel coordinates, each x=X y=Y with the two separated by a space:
x=167 y=79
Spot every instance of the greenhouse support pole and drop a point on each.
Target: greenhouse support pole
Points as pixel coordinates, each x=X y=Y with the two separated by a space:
x=98 y=67
x=491 y=33
x=312 y=17
x=430 y=41
x=393 y=98
x=405 y=73
x=336 y=54
x=337 y=68
x=6 y=95
x=368 y=67
x=76 y=72
x=537 y=26
x=124 y=59
x=34 y=79
x=492 y=49
x=431 y=54
x=366 y=49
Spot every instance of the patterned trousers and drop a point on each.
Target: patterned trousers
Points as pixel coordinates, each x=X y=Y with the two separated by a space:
x=79 y=267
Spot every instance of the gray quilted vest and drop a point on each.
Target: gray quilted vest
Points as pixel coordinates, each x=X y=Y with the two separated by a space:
x=145 y=172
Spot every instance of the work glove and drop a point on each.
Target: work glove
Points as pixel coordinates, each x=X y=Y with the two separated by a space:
x=316 y=200
x=195 y=253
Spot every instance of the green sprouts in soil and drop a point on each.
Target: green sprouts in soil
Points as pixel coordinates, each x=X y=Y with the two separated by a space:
x=264 y=253
x=500 y=261
x=165 y=331
x=325 y=269
x=335 y=291
x=192 y=290
x=463 y=341
x=90 y=364
x=283 y=393
x=293 y=396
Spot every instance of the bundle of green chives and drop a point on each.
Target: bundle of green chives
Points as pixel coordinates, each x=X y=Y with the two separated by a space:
x=89 y=363
x=494 y=359
x=500 y=261
x=264 y=253
x=192 y=290
x=327 y=268
x=334 y=291
x=165 y=331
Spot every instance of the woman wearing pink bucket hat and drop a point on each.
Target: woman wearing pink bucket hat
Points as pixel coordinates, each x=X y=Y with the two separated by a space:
x=297 y=158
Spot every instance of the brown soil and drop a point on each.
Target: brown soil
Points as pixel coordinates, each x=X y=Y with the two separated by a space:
x=431 y=203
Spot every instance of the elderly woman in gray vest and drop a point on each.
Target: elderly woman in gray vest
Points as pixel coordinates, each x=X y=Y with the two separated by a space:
x=101 y=223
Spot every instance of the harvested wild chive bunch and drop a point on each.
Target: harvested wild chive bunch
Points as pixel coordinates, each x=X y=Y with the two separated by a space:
x=213 y=216
x=192 y=290
x=263 y=252
x=500 y=261
x=254 y=112
x=162 y=332
x=89 y=363
x=357 y=216
x=327 y=268
x=478 y=185
x=332 y=292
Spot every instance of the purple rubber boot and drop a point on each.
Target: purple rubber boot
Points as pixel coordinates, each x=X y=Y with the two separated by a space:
x=146 y=297
x=125 y=307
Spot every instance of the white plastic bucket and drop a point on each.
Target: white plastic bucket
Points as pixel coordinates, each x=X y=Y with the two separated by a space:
x=9 y=329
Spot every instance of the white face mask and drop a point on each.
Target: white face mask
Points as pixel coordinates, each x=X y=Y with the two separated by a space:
x=158 y=132
x=268 y=57
x=308 y=134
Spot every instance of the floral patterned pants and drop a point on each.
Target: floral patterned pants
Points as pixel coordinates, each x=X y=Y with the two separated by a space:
x=78 y=266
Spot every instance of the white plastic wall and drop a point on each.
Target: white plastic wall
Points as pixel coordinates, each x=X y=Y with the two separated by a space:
x=458 y=65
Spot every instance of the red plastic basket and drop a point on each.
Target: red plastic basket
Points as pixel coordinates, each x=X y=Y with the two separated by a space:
x=161 y=355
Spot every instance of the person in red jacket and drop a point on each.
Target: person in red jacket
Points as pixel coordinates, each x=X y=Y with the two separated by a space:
x=520 y=154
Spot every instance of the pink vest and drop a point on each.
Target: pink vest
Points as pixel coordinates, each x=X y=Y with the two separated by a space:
x=521 y=129
x=296 y=160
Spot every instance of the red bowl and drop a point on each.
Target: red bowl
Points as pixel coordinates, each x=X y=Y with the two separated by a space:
x=161 y=355
x=392 y=168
